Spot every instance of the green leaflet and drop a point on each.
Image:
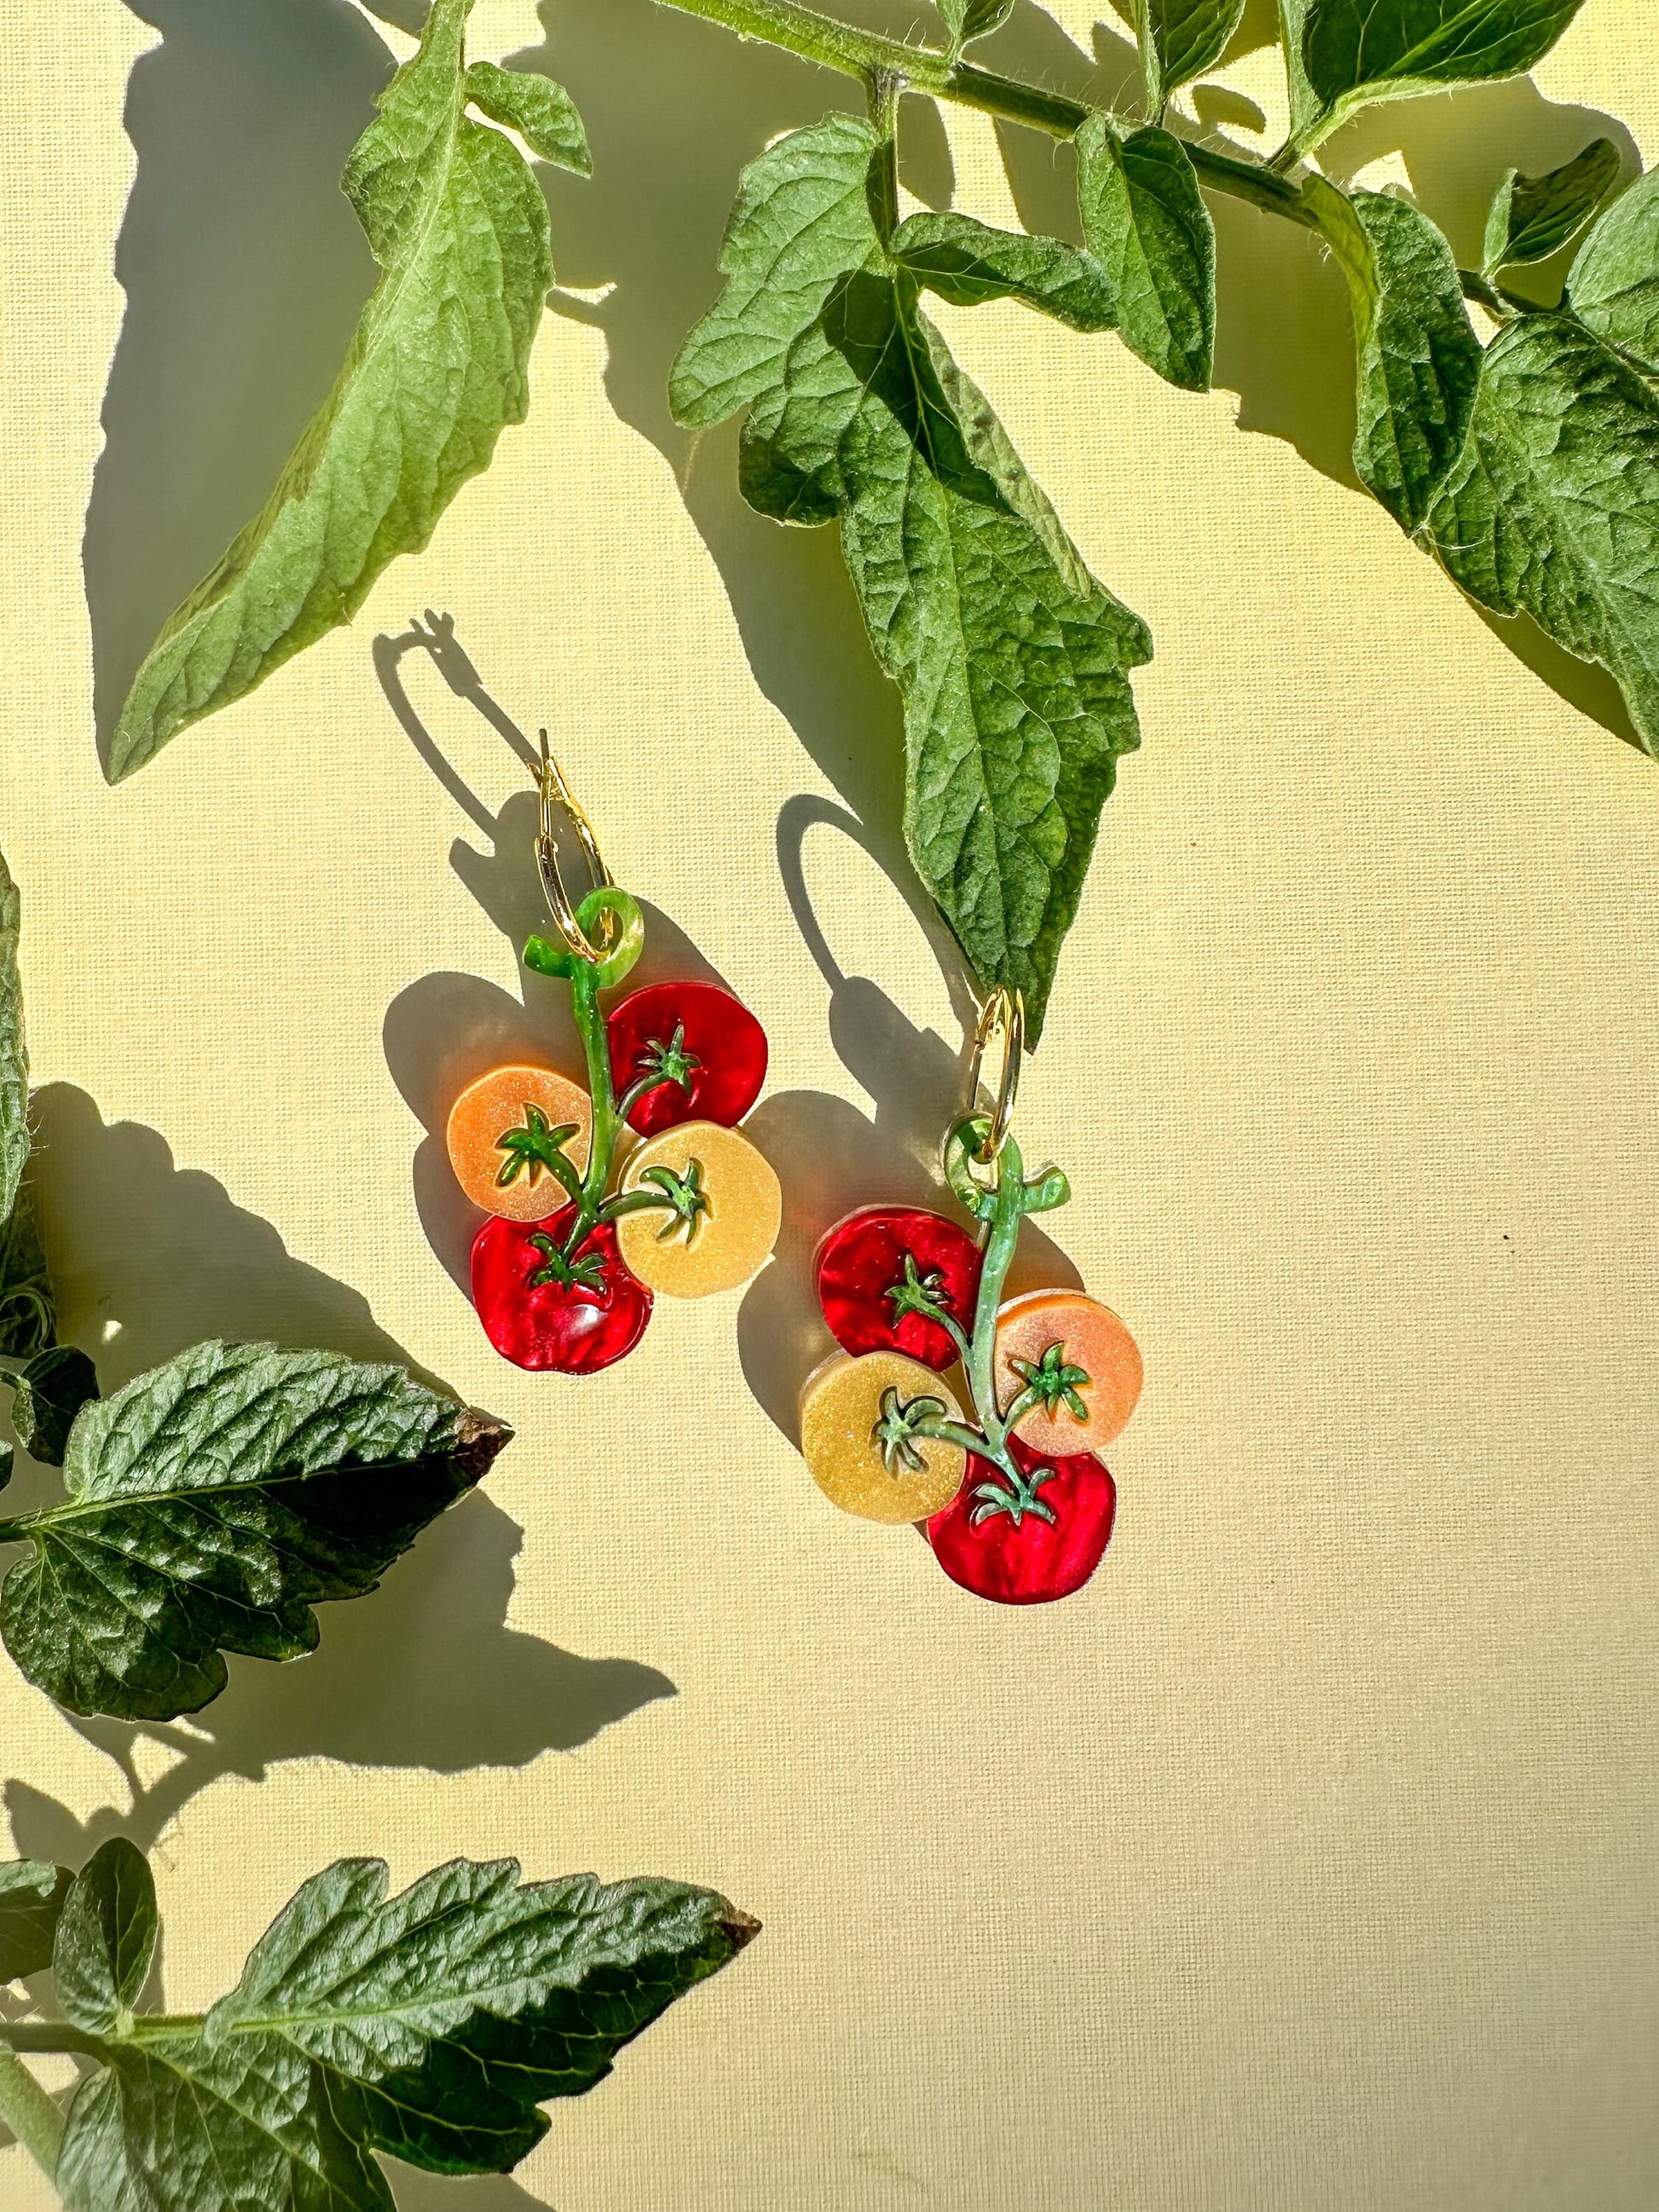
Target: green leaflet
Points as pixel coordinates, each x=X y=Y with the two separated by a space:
x=49 y=1393
x=1532 y=217
x=1181 y=38
x=542 y=112
x=106 y=1937
x=431 y=2025
x=973 y=19
x=210 y=1504
x=1554 y=506
x=437 y=368
x=1012 y=662
x=1418 y=355
x=1613 y=288
x=32 y=1894
x=1355 y=52
x=1145 y=221
x=966 y=263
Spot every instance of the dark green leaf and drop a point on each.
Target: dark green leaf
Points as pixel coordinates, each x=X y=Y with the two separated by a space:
x=1554 y=507
x=210 y=1504
x=14 y=1051
x=26 y=1319
x=1145 y=221
x=542 y=112
x=1614 y=285
x=974 y=18
x=1532 y=217
x=1012 y=661
x=1180 y=39
x=1357 y=50
x=1418 y=357
x=32 y=1894
x=431 y=2025
x=106 y=1937
x=438 y=366
x=965 y=263
x=50 y=1391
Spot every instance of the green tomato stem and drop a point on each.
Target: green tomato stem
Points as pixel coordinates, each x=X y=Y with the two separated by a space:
x=33 y=2116
x=607 y=1120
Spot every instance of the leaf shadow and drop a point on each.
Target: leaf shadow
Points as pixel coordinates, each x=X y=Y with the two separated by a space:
x=426 y=1672
x=445 y=1029
x=831 y=1157
x=245 y=271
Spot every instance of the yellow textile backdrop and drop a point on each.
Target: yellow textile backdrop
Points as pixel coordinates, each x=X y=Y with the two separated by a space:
x=1306 y=1861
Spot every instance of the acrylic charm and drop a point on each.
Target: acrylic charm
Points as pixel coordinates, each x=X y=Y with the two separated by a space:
x=1018 y=1504
x=600 y=1199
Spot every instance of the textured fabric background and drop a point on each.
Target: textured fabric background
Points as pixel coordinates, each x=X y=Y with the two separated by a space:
x=1307 y=1861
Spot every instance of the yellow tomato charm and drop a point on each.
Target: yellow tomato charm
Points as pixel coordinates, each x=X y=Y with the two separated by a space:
x=857 y=1436
x=708 y=1209
x=504 y=1132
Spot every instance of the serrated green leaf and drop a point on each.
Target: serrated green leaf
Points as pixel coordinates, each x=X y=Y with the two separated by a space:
x=460 y=2006
x=50 y=1392
x=26 y=1319
x=1180 y=39
x=1613 y=287
x=1145 y=221
x=1356 y=51
x=542 y=112
x=1419 y=358
x=210 y=1504
x=1553 y=507
x=1532 y=217
x=436 y=370
x=973 y=19
x=1304 y=101
x=966 y=262
x=431 y=2025
x=106 y=1937
x=1012 y=661
x=32 y=1894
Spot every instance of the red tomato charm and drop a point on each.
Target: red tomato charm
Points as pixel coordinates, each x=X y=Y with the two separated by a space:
x=978 y=1544
x=697 y=1033
x=574 y=1328
x=862 y=1259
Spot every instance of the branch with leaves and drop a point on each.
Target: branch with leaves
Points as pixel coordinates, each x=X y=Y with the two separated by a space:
x=1526 y=462
x=431 y=2026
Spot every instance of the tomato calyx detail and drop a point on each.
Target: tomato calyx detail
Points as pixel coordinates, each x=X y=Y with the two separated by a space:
x=658 y=1063
x=681 y=1196
x=1016 y=1495
x=924 y=1295
x=1051 y=1382
x=571 y=1272
x=901 y=1422
x=534 y=1147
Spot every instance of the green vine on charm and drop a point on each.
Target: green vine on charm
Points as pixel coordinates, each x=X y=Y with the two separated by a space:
x=998 y=1206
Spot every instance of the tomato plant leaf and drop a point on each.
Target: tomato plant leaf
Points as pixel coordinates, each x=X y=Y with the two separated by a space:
x=437 y=368
x=107 y=1938
x=1532 y=217
x=969 y=20
x=966 y=262
x=1358 y=51
x=1553 y=507
x=1012 y=663
x=1419 y=358
x=1180 y=39
x=210 y=1504
x=32 y=1894
x=432 y=2025
x=1613 y=288
x=49 y=1393
x=1145 y=221
x=542 y=112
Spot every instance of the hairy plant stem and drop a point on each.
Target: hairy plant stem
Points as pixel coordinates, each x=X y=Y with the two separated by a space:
x=875 y=59
x=33 y=2116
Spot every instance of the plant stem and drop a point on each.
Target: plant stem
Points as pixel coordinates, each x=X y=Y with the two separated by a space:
x=33 y=2116
x=601 y=1090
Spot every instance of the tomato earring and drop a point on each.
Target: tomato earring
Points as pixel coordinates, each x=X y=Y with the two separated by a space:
x=1015 y=1500
x=600 y=1199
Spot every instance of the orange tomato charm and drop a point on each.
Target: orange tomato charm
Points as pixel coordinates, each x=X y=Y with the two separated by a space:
x=1074 y=1363
x=502 y=1130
